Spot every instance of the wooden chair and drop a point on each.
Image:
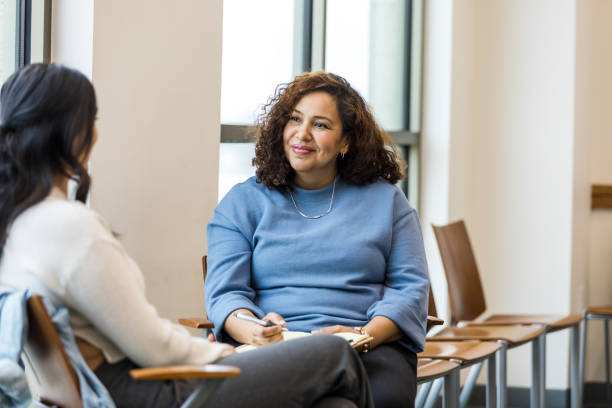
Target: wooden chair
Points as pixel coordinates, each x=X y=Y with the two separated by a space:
x=205 y=324
x=467 y=301
x=466 y=353
x=58 y=383
x=600 y=313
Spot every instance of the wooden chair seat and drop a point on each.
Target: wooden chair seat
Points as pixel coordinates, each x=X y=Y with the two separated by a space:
x=550 y=322
x=599 y=310
x=429 y=369
x=465 y=351
x=513 y=335
x=185 y=372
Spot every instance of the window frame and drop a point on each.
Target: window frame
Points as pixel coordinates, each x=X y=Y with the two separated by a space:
x=23 y=34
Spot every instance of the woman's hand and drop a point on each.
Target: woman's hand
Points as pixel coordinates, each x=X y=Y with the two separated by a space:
x=261 y=335
x=335 y=329
x=252 y=333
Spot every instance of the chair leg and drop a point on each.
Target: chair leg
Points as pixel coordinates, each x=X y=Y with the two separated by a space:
x=575 y=378
x=434 y=392
x=542 y=364
x=468 y=387
x=583 y=340
x=201 y=394
x=536 y=350
x=502 y=381
x=421 y=397
x=607 y=340
x=450 y=397
x=490 y=382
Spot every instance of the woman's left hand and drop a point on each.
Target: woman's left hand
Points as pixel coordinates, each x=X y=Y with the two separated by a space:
x=335 y=329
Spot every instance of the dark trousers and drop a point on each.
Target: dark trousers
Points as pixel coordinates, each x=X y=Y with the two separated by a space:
x=317 y=371
x=392 y=373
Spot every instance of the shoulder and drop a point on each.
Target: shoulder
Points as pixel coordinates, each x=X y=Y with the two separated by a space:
x=248 y=187
x=383 y=192
x=248 y=196
x=63 y=219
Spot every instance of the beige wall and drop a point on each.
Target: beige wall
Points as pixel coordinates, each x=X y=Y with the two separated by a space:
x=599 y=20
x=508 y=136
x=156 y=67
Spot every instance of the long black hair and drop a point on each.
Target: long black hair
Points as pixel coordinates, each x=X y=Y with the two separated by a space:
x=47 y=115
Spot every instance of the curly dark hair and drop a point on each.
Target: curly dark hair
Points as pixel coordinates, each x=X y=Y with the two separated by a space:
x=372 y=154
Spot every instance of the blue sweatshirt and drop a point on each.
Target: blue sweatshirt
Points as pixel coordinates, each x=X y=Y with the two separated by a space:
x=364 y=259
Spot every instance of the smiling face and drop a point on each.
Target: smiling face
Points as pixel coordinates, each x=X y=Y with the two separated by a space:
x=313 y=140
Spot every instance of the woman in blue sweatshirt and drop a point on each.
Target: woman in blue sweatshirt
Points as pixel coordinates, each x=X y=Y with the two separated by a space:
x=321 y=239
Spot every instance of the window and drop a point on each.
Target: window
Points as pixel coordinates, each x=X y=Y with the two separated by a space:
x=25 y=34
x=374 y=44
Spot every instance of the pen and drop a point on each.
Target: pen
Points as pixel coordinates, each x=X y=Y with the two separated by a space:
x=252 y=319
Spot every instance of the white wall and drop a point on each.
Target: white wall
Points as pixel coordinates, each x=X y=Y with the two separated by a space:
x=156 y=67
x=504 y=147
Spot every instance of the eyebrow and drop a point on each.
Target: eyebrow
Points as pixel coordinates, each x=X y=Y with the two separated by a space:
x=316 y=116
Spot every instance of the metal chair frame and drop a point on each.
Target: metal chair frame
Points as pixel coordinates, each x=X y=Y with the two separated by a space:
x=606 y=319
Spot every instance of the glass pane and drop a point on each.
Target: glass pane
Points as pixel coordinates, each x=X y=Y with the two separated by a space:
x=367 y=43
x=347 y=44
x=234 y=165
x=257 y=55
x=8 y=21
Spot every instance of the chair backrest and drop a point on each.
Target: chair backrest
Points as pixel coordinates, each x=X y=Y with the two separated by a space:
x=204 y=273
x=465 y=291
x=431 y=307
x=204 y=270
x=44 y=351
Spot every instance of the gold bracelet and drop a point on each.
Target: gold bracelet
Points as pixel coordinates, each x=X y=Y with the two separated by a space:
x=366 y=346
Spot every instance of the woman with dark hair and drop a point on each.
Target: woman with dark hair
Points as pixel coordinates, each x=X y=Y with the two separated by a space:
x=63 y=250
x=321 y=240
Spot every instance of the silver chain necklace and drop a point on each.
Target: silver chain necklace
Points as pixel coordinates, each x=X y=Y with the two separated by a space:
x=314 y=217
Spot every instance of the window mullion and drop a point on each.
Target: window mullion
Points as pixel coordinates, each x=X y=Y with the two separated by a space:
x=319 y=10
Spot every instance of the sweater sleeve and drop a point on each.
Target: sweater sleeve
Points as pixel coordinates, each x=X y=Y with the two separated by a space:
x=405 y=292
x=228 y=284
x=106 y=286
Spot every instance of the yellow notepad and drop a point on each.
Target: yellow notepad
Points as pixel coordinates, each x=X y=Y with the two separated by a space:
x=356 y=340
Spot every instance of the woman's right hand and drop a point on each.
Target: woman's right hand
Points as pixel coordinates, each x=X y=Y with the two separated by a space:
x=261 y=335
x=252 y=333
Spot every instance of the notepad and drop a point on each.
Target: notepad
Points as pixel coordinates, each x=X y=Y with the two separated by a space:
x=356 y=340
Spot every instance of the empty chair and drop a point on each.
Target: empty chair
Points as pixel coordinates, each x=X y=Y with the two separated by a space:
x=467 y=301
x=467 y=354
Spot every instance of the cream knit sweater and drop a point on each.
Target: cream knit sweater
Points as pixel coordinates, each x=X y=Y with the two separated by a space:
x=65 y=251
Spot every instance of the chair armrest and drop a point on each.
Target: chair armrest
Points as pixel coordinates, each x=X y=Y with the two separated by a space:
x=185 y=372
x=433 y=321
x=196 y=322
